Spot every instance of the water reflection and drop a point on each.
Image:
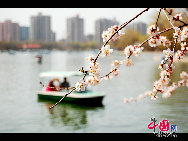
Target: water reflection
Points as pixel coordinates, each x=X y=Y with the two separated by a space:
x=70 y=115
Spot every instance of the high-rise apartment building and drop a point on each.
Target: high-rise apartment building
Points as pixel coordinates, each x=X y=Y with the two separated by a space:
x=102 y=25
x=15 y=32
x=9 y=31
x=1 y=32
x=75 y=29
x=40 y=29
x=53 y=36
x=24 y=33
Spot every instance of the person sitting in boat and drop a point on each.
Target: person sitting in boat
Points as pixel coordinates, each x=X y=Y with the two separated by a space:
x=64 y=84
x=51 y=86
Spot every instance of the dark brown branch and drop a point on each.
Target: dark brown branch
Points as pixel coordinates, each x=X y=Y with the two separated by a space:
x=85 y=74
x=158 y=17
x=168 y=29
x=176 y=19
x=109 y=73
x=62 y=98
x=122 y=26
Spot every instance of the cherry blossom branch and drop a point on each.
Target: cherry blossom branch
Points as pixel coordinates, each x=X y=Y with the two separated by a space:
x=170 y=13
x=160 y=86
x=109 y=73
x=158 y=17
x=114 y=33
x=167 y=94
x=167 y=29
x=168 y=19
x=63 y=98
x=121 y=27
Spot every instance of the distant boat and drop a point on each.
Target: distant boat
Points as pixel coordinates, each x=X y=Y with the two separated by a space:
x=39 y=58
x=12 y=52
x=87 y=97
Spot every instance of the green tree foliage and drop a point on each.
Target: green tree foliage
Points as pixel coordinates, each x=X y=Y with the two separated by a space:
x=82 y=46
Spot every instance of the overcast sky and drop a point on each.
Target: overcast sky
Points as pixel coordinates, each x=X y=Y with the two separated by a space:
x=59 y=16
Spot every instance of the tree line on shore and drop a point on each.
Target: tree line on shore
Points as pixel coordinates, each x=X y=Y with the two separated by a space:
x=129 y=38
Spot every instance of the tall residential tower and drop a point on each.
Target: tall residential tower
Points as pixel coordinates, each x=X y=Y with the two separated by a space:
x=40 y=29
x=9 y=31
x=75 y=29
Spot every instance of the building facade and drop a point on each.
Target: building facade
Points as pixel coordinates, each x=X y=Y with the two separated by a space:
x=53 y=36
x=24 y=33
x=102 y=25
x=9 y=31
x=75 y=29
x=1 y=32
x=40 y=28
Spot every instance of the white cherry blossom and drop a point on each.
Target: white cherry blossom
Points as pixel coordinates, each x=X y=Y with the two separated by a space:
x=106 y=35
x=154 y=42
x=80 y=85
x=116 y=64
x=184 y=46
x=167 y=53
x=177 y=17
x=106 y=51
x=178 y=55
x=129 y=50
x=164 y=74
x=93 y=80
x=152 y=30
x=184 y=34
x=138 y=50
x=184 y=75
x=128 y=62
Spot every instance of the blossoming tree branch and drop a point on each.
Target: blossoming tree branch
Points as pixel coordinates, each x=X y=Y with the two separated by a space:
x=155 y=39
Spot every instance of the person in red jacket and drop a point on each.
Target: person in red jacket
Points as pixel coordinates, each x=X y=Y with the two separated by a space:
x=51 y=86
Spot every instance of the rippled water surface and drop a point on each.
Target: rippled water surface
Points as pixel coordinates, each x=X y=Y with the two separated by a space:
x=22 y=111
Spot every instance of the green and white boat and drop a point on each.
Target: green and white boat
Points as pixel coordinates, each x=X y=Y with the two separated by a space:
x=87 y=97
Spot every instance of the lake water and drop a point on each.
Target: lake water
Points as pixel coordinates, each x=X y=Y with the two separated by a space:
x=21 y=110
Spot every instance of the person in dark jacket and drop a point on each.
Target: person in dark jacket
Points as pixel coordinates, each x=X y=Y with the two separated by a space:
x=64 y=84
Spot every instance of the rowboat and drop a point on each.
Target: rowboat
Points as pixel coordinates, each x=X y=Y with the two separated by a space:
x=87 y=97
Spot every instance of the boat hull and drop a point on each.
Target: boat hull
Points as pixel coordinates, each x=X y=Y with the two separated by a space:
x=92 y=99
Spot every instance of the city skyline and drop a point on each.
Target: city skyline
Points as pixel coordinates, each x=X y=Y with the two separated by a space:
x=60 y=15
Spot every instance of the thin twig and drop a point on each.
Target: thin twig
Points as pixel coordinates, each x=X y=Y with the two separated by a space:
x=177 y=19
x=158 y=17
x=109 y=72
x=168 y=19
x=62 y=98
